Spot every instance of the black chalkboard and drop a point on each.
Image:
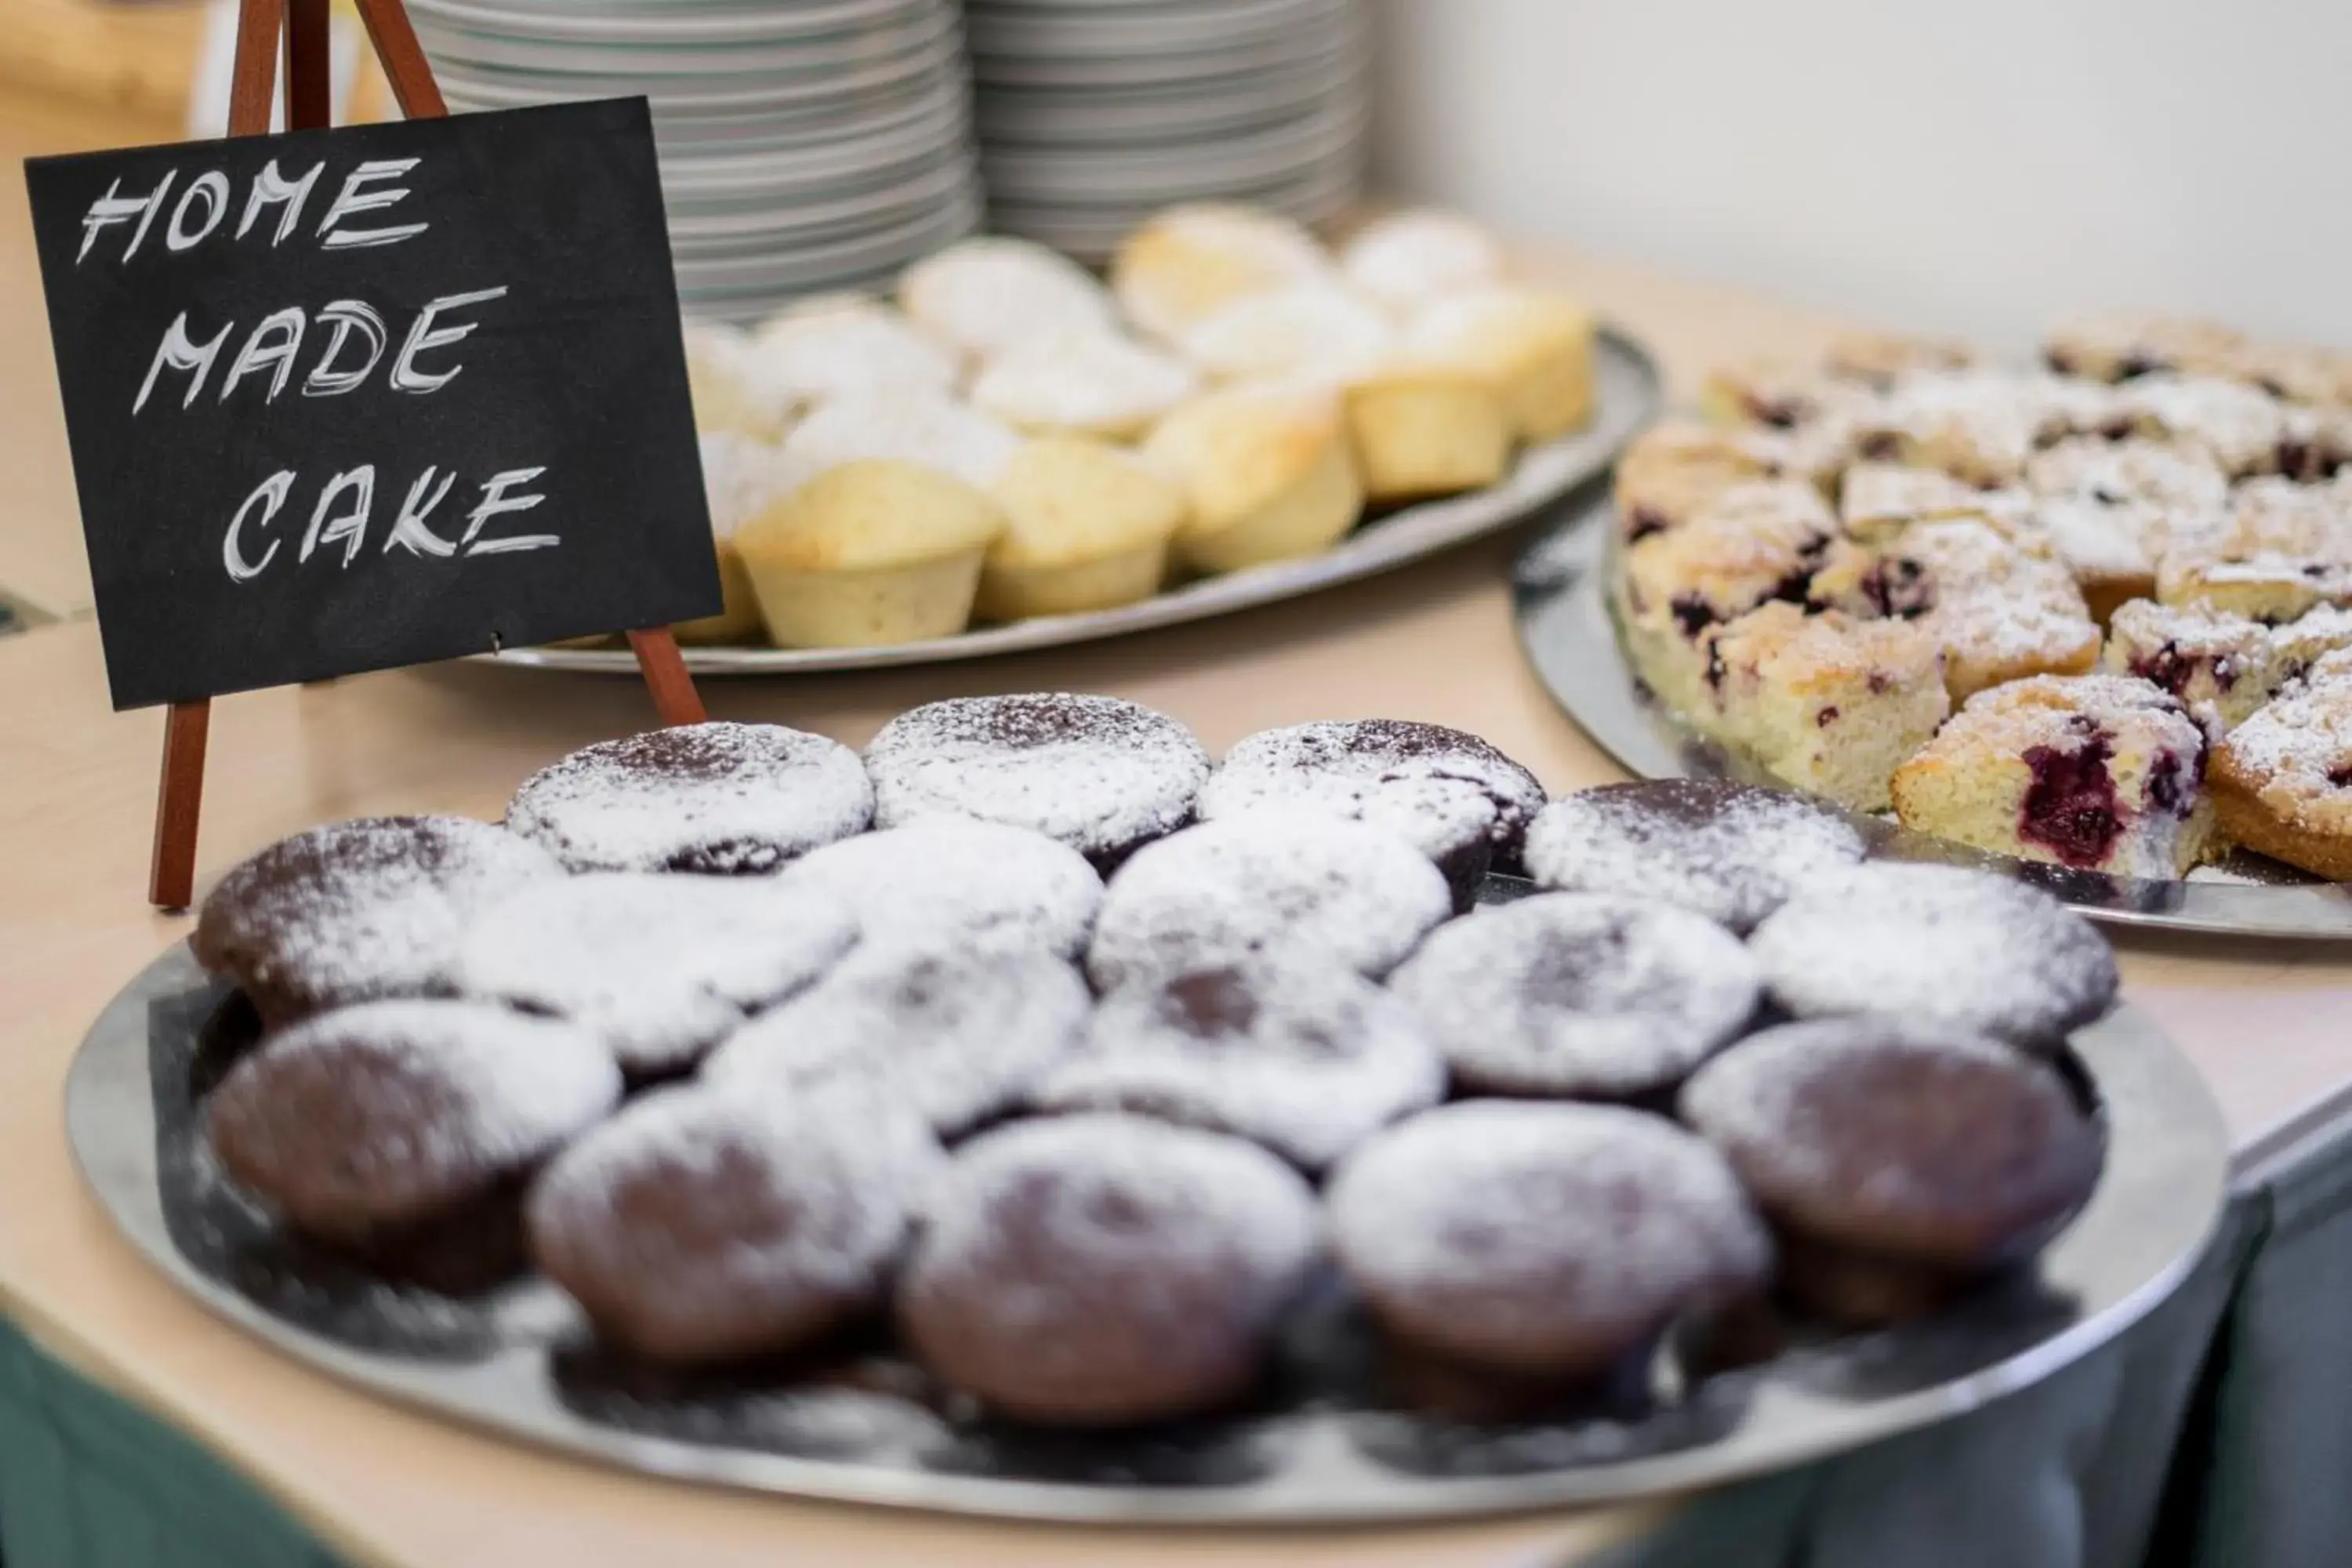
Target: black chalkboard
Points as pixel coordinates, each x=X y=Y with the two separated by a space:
x=341 y=400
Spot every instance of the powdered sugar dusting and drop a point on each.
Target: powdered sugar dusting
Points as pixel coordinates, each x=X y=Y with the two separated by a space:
x=860 y=353
x=1096 y=773
x=661 y=967
x=393 y=1111
x=1495 y=1209
x=988 y=295
x=354 y=910
x=950 y=877
x=2296 y=752
x=1074 y=1205
x=1408 y=259
x=1265 y=884
x=716 y=797
x=1931 y=1144
x=1089 y=379
x=741 y=477
x=1753 y=1100
x=809 y=1200
x=1937 y=946
x=1437 y=788
x=1577 y=994
x=925 y=429
x=1730 y=852
x=959 y=1033
x=1306 y=1059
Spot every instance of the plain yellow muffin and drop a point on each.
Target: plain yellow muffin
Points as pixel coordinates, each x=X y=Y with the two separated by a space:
x=1188 y=262
x=741 y=477
x=1420 y=429
x=875 y=551
x=1534 y=343
x=1088 y=528
x=729 y=396
x=1267 y=472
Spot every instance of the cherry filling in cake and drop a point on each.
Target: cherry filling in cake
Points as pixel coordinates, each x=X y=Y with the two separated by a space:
x=1898 y=587
x=2070 y=806
x=1643 y=521
x=2169 y=668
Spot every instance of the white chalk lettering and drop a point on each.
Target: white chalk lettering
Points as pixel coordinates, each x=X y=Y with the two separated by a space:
x=271 y=494
x=355 y=198
x=270 y=189
x=348 y=317
x=408 y=529
x=115 y=207
x=180 y=351
x=496 y=502
x=352 y=527
x=424 y=336
x=271 y=345
x=213 y=186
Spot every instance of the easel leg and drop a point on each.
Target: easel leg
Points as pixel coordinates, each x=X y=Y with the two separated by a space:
x=664 y=668
x=404 y=65
x=179 y=800
x=310 y=98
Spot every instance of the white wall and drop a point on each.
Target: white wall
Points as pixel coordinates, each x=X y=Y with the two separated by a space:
x=1968 y=165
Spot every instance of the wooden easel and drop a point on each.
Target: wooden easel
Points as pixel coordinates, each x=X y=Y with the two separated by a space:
x=303 y=24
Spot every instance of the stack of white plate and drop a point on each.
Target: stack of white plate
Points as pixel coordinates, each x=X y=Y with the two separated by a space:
x=1095 y=113
x=806 y=145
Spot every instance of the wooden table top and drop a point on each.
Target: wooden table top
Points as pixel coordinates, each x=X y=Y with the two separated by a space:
x=77 y=786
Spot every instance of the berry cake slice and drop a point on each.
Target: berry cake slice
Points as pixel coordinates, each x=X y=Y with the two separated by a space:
x=1878 y=501
x=2099 y=772
x=1673 y=471
x=1757 y=543
x=2244 y=430
x=2220 y=665
x=2282 y=782
x=2136 y=469
x=2283 y=549
x=2002 y=607
x=2120 y=347
x=1825 y=701
x=1780 y=393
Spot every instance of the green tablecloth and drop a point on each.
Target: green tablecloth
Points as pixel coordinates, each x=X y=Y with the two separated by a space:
x=2218 y=1434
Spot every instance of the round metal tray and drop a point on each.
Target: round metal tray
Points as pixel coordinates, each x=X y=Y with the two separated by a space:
x=1569 y=636
x=1320 y=1447
x=1627 y=389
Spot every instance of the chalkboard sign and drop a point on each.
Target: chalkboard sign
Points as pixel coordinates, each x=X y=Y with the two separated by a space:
x=341 y=400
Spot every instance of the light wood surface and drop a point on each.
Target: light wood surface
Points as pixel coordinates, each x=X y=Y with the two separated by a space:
x=2262 y=1022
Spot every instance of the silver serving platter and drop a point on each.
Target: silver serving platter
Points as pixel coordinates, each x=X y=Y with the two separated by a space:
x=1571 y=636
x=1320 y=1447
x=1627 y=389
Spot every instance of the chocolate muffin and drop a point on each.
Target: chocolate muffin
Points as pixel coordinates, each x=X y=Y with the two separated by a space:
x=720 y=799
x=386 y=1116
x=1306 y=1059
x=661 y=968
x=1939 y=947
x=952 y=878
x=1266 y=885
x=1550 y=1242
x=1105 y=1270
x=1451 y=796
x=355 y=912
x=1577 y=995
x=1900 y=1162
x=957 y=1032
x=700 y=1225
x=1732 y=852
x=1104 y=776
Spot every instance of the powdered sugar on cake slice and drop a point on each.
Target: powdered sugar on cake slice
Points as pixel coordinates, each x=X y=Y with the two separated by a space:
x=1485 y=1198
x=1305 y=1059
x=1098 y=774
x=1579 y=995
x=948 y=879
x=1938 y=946
x=1266 y=885
x=959 y=1033
x=1730 y=852
x=661 y=967
x=716 y=797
